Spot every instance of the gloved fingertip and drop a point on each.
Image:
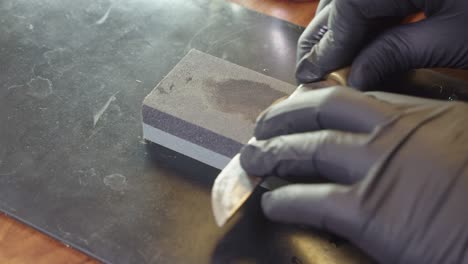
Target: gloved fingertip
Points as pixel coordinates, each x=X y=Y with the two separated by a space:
x=284 y=205
x=268 y=205
x=307 y=72
x=392 y=52
x=261 y=128
x=251 y=160
x=266 y=197
x=361 y=77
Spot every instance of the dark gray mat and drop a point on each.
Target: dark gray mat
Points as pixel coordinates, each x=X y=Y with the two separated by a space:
x=73 y=75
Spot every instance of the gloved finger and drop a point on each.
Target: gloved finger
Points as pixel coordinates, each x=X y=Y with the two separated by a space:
x=322 y=4
x=408 y=47
x=325 y=206
x=337 y=108
x=313 y=33
x=333 y=155
x=350 y=24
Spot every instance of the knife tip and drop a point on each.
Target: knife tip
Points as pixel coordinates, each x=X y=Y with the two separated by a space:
x=219 y=217
x=220 y=221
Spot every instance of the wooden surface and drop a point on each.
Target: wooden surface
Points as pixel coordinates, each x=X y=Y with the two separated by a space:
x=297 y=12
x=22 y=244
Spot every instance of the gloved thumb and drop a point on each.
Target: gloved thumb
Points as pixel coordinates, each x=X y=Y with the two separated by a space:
x=426 y=44
x=325 y=206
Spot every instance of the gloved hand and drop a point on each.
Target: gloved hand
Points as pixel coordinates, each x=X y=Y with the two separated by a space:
x=397 y=171
x=368 y=35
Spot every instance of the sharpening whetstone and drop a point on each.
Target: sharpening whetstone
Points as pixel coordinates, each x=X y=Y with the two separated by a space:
x=206 y=107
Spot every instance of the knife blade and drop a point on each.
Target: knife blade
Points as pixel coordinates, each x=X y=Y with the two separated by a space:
x=233 y=186
x=231 y=189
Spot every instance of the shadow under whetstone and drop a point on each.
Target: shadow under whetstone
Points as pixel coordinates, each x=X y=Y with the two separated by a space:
x=191 y=170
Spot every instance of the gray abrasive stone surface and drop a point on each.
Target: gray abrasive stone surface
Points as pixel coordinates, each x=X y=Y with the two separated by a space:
x=206 y=107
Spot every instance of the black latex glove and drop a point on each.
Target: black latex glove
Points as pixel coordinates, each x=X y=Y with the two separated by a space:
x=343 y=32
x=397 y=168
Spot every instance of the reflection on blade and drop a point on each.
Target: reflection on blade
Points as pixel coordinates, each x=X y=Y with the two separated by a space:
x=231 y=189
